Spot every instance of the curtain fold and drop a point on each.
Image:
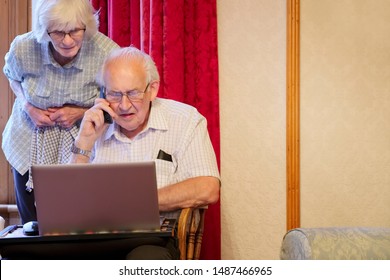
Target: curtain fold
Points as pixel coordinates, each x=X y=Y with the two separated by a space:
x=181 y=36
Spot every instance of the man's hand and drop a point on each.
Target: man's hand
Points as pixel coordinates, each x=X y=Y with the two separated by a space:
x=93 y=125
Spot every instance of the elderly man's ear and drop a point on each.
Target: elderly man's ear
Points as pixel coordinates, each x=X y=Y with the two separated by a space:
x=154 y=86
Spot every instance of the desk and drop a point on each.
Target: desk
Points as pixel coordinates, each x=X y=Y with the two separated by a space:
x=16 y=245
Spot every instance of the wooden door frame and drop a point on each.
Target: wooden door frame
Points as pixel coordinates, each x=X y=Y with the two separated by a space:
x=292 y=115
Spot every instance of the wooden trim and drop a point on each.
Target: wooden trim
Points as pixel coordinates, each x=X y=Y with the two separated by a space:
x=293 y=140
x=15 y=18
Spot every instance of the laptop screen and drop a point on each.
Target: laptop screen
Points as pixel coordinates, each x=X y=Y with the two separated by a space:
x=96 y=198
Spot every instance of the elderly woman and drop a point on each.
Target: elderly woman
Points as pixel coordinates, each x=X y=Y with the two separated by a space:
x=52 y=72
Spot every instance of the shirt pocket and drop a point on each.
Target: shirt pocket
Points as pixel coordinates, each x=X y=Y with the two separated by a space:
x=165 y=172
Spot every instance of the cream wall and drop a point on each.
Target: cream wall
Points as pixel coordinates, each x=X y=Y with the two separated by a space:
x=252 y=59
x=345 y=128
x=345 y=113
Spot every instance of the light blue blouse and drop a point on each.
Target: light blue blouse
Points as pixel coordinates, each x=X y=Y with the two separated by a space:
x=47 y=84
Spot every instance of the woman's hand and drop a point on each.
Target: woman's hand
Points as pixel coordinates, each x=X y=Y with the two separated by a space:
x=38 y=116
x=67 y=115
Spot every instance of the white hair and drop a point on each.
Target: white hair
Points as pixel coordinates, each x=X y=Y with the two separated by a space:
x=130 y=54
x=64 y=15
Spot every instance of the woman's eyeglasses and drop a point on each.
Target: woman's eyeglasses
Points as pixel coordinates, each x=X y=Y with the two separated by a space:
x=60 y=35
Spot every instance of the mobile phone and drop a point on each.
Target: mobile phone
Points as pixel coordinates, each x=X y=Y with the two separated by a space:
x=107 y=117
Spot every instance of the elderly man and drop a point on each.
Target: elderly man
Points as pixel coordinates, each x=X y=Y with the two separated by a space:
x=146 y=127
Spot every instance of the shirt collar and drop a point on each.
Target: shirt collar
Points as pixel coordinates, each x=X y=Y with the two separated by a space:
x=157 y=118
x=46 y=54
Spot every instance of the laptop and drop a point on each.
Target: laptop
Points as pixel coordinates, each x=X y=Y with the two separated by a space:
x=74 y=199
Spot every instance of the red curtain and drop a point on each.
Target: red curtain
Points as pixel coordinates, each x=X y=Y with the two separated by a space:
x=181 y=36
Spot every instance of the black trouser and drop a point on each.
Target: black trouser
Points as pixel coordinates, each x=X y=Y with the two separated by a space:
x=24 y=200
x=167 y=250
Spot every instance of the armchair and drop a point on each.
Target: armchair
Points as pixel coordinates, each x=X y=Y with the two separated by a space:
x=336 y=243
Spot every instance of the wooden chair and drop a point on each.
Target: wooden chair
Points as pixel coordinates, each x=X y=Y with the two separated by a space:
x=190 y=232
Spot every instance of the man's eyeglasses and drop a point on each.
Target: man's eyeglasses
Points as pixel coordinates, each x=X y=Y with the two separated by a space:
x=132 y=95
x=60 y=35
